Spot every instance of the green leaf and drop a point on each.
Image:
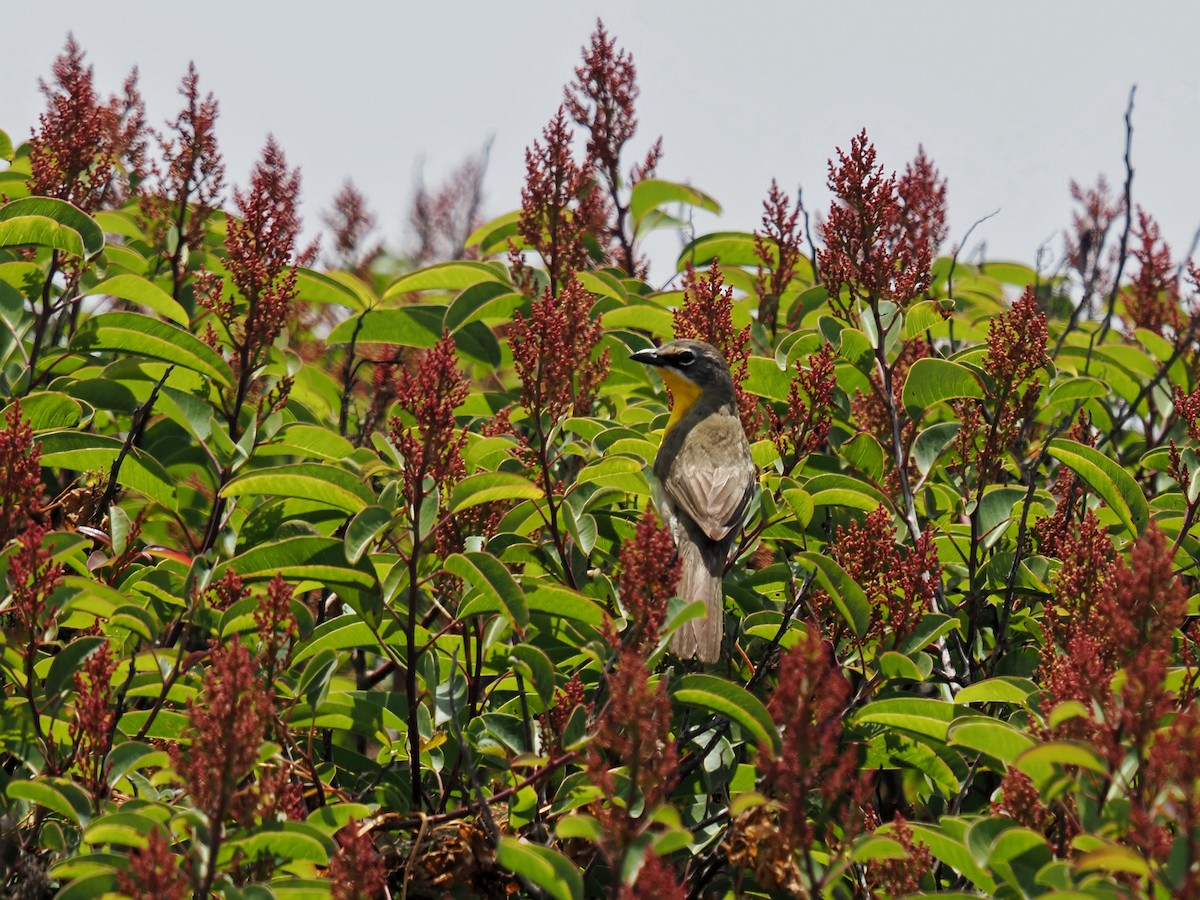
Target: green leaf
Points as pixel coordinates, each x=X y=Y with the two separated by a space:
x=494 y=582
x=131 y=333
x=997 y=690
x=320 y=482
x=56 y=794
x=730 y=248
x=317 y=287
x=549 y=599
x=921 y=317
x=931 y=381
x=48 y=410
x=479 y=302
x=7 y=151
x=931 y=442
x=542 y=867
x=919 y=715
x=406 y=326
x=865 y=453
x=363 y=529
x=80 y=452
x=489 y=486
x=40 y=231
x=68 y=661
x=447 y=276
x=492 y=237
x=1110 y=481
x=91 y=235
x=849 y=598
x=730 y=700
x=651 y=193
x=318 y=559
x=281 y=842
x=990 y=736
x=137 y=289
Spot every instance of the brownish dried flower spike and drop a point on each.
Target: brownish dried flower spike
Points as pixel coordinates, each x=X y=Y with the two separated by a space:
x=86 y=150
x=350 y=221
x=879 y=243
x=33 y=579
x=706 y=314
x=1090 y=226
x=444 y=217
x=898 y=877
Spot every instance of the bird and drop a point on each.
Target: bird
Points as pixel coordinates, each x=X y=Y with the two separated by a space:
x=705 y=481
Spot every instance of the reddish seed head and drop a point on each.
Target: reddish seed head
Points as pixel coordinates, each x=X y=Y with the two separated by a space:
x=20 y=473
x=154 y=872
x=777 y=247
x=649 y=573
x=357 y=871
x=1152 y=298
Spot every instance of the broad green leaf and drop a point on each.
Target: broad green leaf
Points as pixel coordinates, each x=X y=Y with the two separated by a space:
x=59 y=795
x=997 y=690
x=281 y=842
x=866 y=454
x=482 y=301
x=490 y=486
x=492 y=237
x=849 y=598
x=319 y=559
x=40 y=231
x=931 y=381
x=363 y=529
x=61 y=212
x=447 y=276
x=730 y=248
x=131 y=333
x=68 y=661
x=550 y=599
x=931 y=442
x=77 y=451
x=488 y=575
x=651 y=193
x=919 y=715
x=921 y=317
x=1111 y=482
x=321 y=482
x=728 y=699
x=1039 y=762
x=142 y=291
x=317 y=287
x=48 y=410
x=990 y=736
x=541 y=866
x=406 y=326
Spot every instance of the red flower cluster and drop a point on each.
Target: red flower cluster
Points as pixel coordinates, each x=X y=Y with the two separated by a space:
x=898 y=877
x=226 y=727
x=777 y=247
x=32 y=579
x=804 y=426
x=656 y=881
x=878 y=247
x=350 y=221
x=633 y=731
x=276 y=624
x=425 y=433
x=227 y=590
x=649 y=573
x=601 y=99
x=154 y=872
x=1017 y=342
x=87 y=151
x=560 y=207
x=1152 y=298
x=443 y=219
x=20 y=474
x=706 y=314
x=94 y=717
x=554 y=355
x=1085 y=245
x=815 y=772
x=1188 y=408
x=900 y=582
x=554 y=721
x=356 y=871
x=188 y=192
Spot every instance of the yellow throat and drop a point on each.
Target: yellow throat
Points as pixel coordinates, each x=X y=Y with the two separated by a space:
x=684 y=394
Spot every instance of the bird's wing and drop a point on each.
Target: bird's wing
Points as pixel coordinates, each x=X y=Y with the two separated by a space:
x=714 y=487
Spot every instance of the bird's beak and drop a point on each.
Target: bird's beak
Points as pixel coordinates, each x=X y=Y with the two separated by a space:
x=649 y=356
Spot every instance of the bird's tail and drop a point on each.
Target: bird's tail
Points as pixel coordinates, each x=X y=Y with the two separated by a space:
x=697 y=581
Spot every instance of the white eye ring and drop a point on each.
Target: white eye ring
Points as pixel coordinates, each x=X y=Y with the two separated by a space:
x=686 y=358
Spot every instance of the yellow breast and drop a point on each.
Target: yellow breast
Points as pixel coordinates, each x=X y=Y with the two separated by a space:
x=684 y=393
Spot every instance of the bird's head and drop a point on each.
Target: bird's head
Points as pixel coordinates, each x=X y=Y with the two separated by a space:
x=691 y=369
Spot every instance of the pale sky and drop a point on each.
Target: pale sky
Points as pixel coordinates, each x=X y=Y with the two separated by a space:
x=1011 y=100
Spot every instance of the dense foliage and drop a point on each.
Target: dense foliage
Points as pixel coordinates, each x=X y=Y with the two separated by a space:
x=321 y=578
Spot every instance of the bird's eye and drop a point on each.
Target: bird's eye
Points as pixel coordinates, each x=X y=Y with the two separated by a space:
x=685 y=358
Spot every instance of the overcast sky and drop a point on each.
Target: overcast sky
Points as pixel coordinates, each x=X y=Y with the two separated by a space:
x=1012 y=100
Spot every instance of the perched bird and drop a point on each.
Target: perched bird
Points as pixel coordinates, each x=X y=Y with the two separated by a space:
x=705 y=477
